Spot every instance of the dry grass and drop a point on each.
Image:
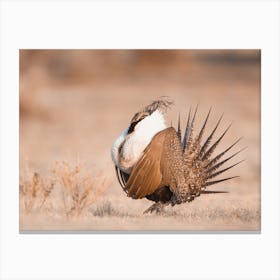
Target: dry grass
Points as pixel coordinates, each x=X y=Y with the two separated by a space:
x=71 y=187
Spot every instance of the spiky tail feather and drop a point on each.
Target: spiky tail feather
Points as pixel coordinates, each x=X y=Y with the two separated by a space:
x=201 y=166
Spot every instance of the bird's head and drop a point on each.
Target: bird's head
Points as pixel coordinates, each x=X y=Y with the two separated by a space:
x=150 y=116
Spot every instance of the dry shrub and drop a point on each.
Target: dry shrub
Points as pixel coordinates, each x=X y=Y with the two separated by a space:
x=79 y=190
x=105 y=208
x=34 y=192
x=69 y=186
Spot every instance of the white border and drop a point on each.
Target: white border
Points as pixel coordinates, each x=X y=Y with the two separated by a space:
x=153 y=24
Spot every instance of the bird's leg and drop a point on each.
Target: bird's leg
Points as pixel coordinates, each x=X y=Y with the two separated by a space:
x=156 y=207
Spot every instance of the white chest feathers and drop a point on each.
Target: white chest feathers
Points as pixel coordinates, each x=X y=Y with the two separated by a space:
x=128 y=148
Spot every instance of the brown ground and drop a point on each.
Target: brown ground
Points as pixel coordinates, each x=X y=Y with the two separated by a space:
x=75 y=103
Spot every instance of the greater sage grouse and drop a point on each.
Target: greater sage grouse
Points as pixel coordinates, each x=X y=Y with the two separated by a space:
x=157 y=162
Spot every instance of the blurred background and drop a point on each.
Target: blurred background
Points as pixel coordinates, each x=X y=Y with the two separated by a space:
x=75 y=103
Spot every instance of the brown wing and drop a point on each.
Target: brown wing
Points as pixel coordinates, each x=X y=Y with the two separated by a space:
x=146 y=175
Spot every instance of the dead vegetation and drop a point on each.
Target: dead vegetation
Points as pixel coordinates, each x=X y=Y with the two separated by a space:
x=69 y=191
x=106 y=209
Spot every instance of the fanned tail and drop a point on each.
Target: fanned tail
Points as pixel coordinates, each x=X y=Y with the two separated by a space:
x=200 y=162
x=188 y=137
x=179 y=128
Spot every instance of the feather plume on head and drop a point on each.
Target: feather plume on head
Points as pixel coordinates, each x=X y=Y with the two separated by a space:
x=162 y=104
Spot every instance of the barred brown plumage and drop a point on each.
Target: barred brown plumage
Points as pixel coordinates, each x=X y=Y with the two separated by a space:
x=169 y=169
